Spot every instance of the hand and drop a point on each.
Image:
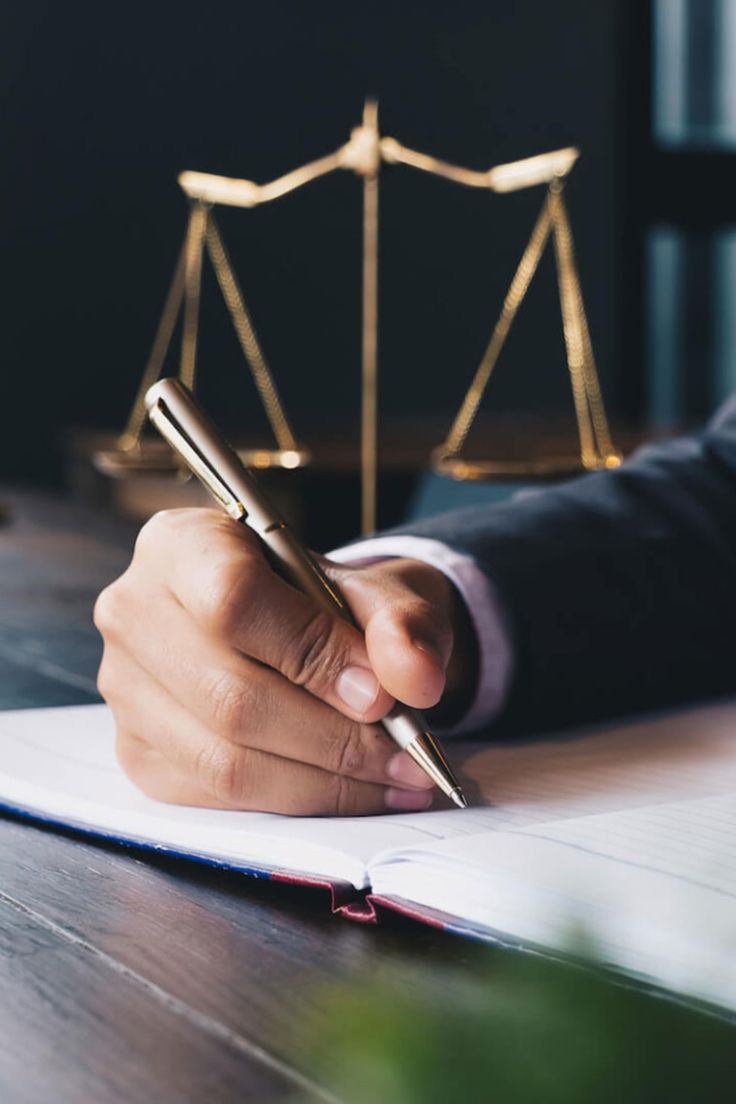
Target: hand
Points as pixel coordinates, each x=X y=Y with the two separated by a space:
x=230 y=689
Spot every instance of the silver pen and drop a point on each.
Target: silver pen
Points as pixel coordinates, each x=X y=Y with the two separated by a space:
x=181 y=421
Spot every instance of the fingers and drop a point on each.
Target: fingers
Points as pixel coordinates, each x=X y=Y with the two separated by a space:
x=242 y=703
x=405 y=610
x=223 y=678
x=172 y=757
x=220 y=575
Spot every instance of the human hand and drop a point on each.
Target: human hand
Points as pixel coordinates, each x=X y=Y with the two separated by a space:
x=231 y=689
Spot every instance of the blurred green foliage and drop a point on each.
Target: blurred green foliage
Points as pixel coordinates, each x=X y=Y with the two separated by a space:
x=524 y=1030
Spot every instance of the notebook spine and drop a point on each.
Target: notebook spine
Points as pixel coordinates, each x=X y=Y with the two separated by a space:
x=345 y=899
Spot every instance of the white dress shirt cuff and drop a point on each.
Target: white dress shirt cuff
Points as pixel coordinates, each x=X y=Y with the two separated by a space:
x=479 y=595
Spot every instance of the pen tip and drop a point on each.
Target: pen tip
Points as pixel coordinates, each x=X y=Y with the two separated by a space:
x=459 y=798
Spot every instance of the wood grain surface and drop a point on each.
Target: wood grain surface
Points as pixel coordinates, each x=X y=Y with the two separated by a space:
x=127 y=976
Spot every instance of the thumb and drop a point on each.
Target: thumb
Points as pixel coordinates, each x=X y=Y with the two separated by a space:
x=405 y=610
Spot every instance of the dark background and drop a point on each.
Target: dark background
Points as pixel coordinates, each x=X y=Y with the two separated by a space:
x=103 y=105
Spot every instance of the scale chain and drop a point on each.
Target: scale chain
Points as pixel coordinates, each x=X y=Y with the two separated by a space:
x=247 y=337
x=165 y=331
x=566 y=253
x=192 y=281
x=572 y=331
x=596 y=448
x=514 y=297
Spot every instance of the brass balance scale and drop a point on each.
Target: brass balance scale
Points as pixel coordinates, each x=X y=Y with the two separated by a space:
x=364 y=154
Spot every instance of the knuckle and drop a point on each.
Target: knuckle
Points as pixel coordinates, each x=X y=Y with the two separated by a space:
x=345 y=796
x=315 y=656
x=105 y=680
x=166 y=526
x=157 y=529
x=229 y=593
x=109 y=609
x=233 y=706
x=221 y=770
x=420 y=611
x=349 y=751
x=101 y=611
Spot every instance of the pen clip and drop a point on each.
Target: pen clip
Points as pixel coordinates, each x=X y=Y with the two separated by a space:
x=171 y=429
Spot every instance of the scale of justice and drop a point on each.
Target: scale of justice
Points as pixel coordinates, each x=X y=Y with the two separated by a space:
x=364 y=154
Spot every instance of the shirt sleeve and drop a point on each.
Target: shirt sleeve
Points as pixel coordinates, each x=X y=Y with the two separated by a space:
x=486 y=614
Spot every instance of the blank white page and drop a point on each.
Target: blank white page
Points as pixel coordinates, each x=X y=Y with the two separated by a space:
x=653 y=888
x=670 y=757
x=625 y=765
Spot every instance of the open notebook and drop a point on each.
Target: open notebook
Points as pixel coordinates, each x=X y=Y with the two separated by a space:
x=627 y=832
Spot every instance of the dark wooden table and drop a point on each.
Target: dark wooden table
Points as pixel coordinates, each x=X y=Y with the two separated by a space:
x=132 y=978
x=129 y=977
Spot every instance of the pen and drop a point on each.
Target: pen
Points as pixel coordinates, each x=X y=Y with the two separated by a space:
x=182 y=422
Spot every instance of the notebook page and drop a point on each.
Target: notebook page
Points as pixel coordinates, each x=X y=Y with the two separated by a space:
x=654 y=888
x=624 y=765
x=668 y=757
x=60 y=763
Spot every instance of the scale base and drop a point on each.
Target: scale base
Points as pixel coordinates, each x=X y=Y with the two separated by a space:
x=546 y=467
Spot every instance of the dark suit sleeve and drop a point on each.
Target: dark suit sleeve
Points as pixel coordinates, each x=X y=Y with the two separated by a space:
x=619 y=587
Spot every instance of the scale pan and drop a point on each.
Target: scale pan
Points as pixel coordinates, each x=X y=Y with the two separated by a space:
x=545 y=467
x=298 y=457
x=141 y=458
x=156 y=458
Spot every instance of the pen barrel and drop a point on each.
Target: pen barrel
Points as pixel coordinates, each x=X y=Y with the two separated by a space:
x=292 y=561
x=404 y=725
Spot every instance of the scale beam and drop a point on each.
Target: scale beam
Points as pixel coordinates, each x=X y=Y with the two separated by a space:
x=359 y=155
x=364 y=154
x=511 y=177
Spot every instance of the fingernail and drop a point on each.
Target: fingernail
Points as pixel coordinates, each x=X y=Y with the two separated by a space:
x=408 y=801
x=358 y=688
x=406 y=772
